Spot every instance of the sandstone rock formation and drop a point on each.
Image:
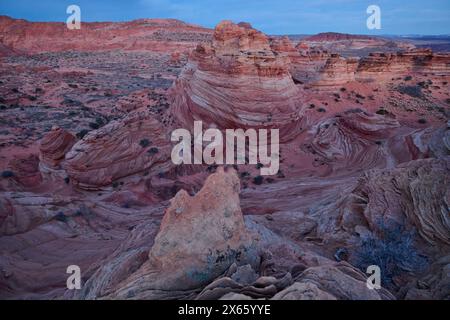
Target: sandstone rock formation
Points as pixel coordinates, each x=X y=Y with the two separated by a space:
x=330 y=71
x=336 y=72
x=237 y=82
x=54 y=147
x=351 y=43
x=160 y=35
x=368 y=153
x=26 y=171
x=303 y=291
x=382 y=66
x=342 y=282
x=416 y=191
x=117 y=150
x=200 y=237
x=351 y=138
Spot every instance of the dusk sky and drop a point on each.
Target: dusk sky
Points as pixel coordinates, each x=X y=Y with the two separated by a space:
x=272 y=17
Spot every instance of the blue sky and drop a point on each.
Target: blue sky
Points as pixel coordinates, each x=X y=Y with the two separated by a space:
x=272 y=17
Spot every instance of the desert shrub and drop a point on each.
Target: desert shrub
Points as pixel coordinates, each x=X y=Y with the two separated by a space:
x=321 y=110
x=153 y=151
x=382 y=112
x=60 y=216
x=408 y=78
x=393 y=250
x=258 y=180
x=82 y=133
x=94 y=125
x=412 y=91
x=100 y=121
x=144 y=143
x=422 y=121
x=7 y=174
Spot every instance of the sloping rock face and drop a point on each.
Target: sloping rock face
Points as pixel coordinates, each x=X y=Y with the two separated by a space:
x=237 y=82
x=54 y=147
x=351 y=138
x=340 y=281
x=26 y=171
x=199 y=238
x=119 y=149
x=304 y=62
x=306 y=67
x=160 y=35
x=417 y=190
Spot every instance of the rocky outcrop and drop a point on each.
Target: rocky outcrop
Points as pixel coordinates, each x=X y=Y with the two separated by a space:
x=25 y=170
x=340 y=281
x=384 y=66
x=414 y=193
x=54 y=147
x=354 y=43
x=199 y=239
x=336 y=72
x=119 y=149
x=237 y=82
x=351 y=138
x=331 y=71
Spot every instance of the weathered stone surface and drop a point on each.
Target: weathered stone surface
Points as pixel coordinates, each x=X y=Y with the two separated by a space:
x=237 y=82
x=303 y=291
x=416 y=190
x=199 y=239
x=54 y=147
x=117 y=150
